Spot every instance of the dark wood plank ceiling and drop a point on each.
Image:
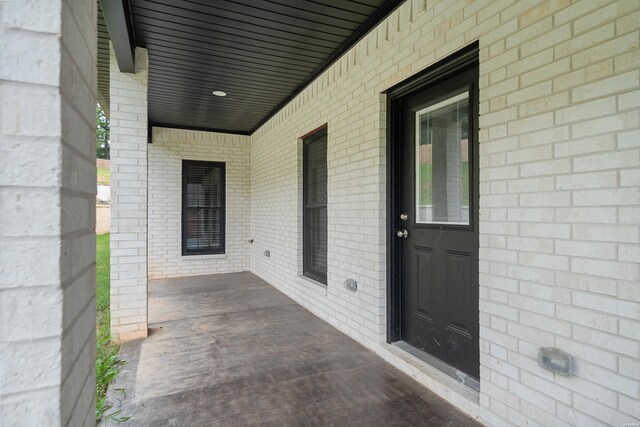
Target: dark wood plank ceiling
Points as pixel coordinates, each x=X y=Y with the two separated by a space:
x=103 y=62
x=260 y=52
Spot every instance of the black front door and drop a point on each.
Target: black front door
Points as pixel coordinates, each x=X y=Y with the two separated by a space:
x=437 y=219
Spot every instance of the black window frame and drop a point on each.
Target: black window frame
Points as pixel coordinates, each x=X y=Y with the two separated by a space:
x=185 y=206
x=317 y=136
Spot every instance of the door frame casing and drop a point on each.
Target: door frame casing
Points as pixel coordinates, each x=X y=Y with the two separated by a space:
x=467 y=56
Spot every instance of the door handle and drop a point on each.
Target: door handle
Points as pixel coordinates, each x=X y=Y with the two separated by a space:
x=403 y=234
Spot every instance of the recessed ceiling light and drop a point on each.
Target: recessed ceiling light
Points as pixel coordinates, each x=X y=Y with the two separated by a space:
x=219 y=93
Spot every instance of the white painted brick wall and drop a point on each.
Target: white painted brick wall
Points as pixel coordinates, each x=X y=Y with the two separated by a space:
x=559 y=203
x=47 y=199
x=169 y=148
x=129 y=199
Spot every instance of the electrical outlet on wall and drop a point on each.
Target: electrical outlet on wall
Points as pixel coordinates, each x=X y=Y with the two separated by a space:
x=351 y=285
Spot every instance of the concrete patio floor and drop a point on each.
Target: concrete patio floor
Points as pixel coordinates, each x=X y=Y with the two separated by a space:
x=232 y=350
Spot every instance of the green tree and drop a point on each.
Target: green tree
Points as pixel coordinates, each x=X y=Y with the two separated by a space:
x=102 y=134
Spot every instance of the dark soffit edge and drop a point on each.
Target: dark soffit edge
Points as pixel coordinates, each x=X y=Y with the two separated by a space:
x=194 y=128
x=103 y=63
x=354 y=38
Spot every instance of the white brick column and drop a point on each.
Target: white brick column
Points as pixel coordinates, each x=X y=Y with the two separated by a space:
x=129 y=200
x=47 y=214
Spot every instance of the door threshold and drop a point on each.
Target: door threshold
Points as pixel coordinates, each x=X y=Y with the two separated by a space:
x=443 y=367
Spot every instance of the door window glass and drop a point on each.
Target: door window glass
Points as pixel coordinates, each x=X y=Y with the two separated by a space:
x=442 y=162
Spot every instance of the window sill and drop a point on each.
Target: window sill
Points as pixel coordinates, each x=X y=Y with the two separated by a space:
x=312 y=284
x=207 y=256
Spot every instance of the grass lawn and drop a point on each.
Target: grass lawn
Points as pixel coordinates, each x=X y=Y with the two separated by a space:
x=107 y=361
x=426 y=182
x=104 y=177
x=102 y=275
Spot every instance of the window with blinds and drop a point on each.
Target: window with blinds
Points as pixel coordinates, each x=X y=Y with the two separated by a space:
x=203 y=204
x=315 y=206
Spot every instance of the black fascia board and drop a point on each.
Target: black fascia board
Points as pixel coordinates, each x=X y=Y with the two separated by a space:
x=153 y=124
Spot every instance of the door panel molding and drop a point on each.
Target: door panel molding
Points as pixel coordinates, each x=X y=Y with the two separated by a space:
x=424 y=310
